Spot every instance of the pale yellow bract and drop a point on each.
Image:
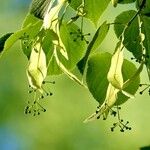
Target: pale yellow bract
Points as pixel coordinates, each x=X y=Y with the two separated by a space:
x=114 y=75
x=37 y=69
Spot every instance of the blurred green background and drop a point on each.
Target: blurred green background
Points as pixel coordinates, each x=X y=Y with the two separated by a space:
x=61 y=127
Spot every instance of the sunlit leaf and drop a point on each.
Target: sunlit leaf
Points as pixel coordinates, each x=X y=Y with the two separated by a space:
x=74 y=46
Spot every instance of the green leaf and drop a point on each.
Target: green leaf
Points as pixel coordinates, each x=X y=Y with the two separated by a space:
x=145 y=9
x=146 y=30
x=94 y=44
x=75 y=48
x=30 y=35
x=126 y=1
x=96 y=77
x=75 y=4
x=131 y=35
x=99 y=36
x=16 y=36
x=94 y=9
